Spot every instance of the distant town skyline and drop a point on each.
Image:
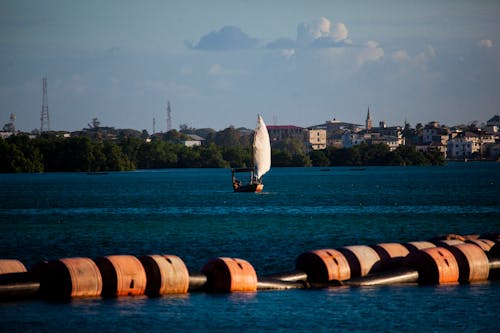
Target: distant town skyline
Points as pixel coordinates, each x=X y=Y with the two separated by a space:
x=219 y=63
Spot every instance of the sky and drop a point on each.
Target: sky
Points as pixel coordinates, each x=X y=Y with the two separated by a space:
x=221 y=62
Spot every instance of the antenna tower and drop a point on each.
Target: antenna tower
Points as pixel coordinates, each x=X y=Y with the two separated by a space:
x=44 y=115
x=154 y=125
x=169 y=117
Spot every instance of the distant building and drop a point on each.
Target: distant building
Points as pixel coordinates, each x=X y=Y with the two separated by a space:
x=280 y=132
x=316 y=139
x=368 y=122
x=463 y=145
x=194 y=141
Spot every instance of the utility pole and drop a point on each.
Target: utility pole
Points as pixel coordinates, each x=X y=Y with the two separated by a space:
x=44 y=114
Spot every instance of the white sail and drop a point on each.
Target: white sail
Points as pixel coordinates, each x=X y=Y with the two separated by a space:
x=261 y=149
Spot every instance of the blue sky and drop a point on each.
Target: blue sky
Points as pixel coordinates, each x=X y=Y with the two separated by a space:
x=219 y=63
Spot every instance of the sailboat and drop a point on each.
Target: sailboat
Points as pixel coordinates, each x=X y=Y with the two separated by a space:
x=261 y=150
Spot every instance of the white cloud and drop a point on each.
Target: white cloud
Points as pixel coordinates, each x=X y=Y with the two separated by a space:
x=321 y=28
x=486 y=43
x=288 y=53
x=400 y=56
x=339 y=32
x=370 y=52
x=215 y=69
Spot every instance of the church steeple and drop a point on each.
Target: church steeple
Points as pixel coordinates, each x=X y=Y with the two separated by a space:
x=368 y=123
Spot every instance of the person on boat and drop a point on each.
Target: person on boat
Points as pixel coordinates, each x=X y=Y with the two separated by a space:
x=236 y=184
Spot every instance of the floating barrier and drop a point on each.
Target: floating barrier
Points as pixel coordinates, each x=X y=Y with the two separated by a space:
x=362 y=259
x=484 y=244
x=446 y=259
x=165 y=274
x=11 y=266
x=122 y=275
x=323 y=266
x=70 y=277
x=435 y=265
x=391 y=254
x=393 y=276
x=415 y=246
x=15 y=281
x=230 y=275
x=472 y=262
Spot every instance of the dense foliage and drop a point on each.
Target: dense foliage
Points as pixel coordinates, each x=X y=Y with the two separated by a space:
x=228 y=148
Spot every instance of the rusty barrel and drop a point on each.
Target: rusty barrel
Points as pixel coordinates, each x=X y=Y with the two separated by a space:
x=448 y=242
x=362 y=259
x=166 y=274
x=435 y=265
x=11 y=266
x=484 y=244
x=391 y=254
x=122 y=275
x=418 y=245
x=230 y=275
x=324 y=265
x=70 y=277
x=472 y=262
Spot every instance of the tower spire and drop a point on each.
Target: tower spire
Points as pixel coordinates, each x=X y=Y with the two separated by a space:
x=368 y=123
x=169 y=117
x=44 y=114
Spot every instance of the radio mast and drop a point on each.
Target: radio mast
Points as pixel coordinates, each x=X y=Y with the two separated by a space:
x=44 y=114
x=169 y=117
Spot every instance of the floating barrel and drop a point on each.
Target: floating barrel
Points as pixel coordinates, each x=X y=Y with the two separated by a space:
x=70 y=277
x=472 y=262
x=448 y=237
x=435 y=265
x=415 y=246
x=230 y=274
x=362 y=259
x=122 y=275
x=165 y=274
x=448 y=242
x=484 y=244
x=324 y=265
x=11 y=266
x=391 y=254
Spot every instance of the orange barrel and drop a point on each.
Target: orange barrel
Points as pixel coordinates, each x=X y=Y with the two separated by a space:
x=415 y=246
x=448 y=237
x=11 y=266
x=166 y=274
x=391 y=254
x=484 y=244
x=435 y=265
x=122 y=275
x=470 y=237
x=472 y=262
x=448 y=242
x=230 y=274
x=70 y=277
x=324 y=265
x=362 y=259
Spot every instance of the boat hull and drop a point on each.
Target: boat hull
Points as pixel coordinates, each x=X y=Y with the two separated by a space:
x=250 y=188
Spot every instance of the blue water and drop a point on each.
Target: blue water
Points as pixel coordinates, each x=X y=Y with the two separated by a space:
x=194 y=214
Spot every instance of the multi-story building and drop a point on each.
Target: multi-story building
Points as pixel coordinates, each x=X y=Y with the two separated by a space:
x=316 y=139
x=464 y=145
x=280 y=132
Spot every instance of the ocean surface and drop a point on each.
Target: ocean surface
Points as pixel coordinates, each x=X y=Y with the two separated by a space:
x=194 y=214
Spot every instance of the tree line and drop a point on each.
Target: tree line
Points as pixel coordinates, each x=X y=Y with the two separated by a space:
x=224 y=149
